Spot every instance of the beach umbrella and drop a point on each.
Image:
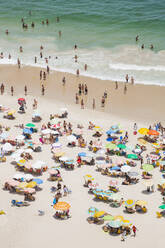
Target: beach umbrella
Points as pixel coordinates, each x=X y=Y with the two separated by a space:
x=27 y=131
x=133 y=174
x=162 y=206
x=46 y=131
x=4 y=135
x=153 y=132
x=71 y=138
x=28 y=150
x=101 y=151
x=22 y=185
x=121 y=146
x=93 y=185
x=116 y=196
x=28 y=177
x=115 y=168
x=143 y=131
x=54 y=132
x=129 y=203
x=109 y=139
x=82 y=154
x=30 y=125
x=21 y=162
x=100 y=158
x=126 y=223
x=63 y=110
x=141 y=202
x=113 y=182
x=19 y=137
x=59 y=154
x=115 y=223
x=100 y=162
x=21 y=99
x=11 y=112
x=53 y=171
x=13 y=183
x=148 y=183
x=108 y=217
x=18 y=176
x=125 y=168
x=63 y=206
x=38 y=180
x=99 y=214
x=119 y=217
x=111 y=146
x=31 y=184
x=64 y=159
x=92 y=210
x=147 y=167
x=132 y=156
x=35 y=114
x=56 y=145
x=142 y=141
x=7 y=147
x=154 y=156
x=137 y=150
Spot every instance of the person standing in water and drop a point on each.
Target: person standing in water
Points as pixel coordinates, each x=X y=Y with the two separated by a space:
x=126 y=78
x=78 y=72
x=94 y=104
x=63 y=81
x=59 y=33
x=43 y=90
x=18 y=63
x=85 y=67
x=137 y=38
x=132 y=80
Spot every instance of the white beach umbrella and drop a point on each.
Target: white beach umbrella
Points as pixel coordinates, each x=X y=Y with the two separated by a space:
x=46 y=131
x=18 y=176
x=20 y=137
x=63 y=110
x=56 y=145
x=125 y=168
x=19 y=151
x=101 y=151
x=71 y=138
x=28 y=150
x=4 y=135
x=28 y=177
x=64 y=159
x=7 y=147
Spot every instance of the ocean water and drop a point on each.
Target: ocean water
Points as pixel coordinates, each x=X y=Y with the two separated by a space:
x=104 y=32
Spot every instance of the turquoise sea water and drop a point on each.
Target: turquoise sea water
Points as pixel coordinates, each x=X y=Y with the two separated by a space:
x=104 y=31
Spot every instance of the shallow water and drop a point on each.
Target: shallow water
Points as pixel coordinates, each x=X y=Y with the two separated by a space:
x=104 y=31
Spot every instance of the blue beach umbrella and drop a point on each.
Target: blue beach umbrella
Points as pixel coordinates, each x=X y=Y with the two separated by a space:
x=82 y=154
x=109 y=139
x=115 y=168
x=27 y=131
x=38 y=180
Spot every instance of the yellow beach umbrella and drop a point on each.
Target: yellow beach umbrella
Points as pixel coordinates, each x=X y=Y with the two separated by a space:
x=97 y=127
x=142 y=141
x=143 y=131
x=126 y=223
x=99 y=214
x=22 y=185
x=88 y=175
x=31 y=184
x=129 y=203
x=163 y=185
x=59 y=154
x=148 y=183
x=21 y=162
x=63 y=206
x=141 y=203
x=11 y=112
x=119 y=217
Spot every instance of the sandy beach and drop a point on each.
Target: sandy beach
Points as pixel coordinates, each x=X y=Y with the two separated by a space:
x=22 y=227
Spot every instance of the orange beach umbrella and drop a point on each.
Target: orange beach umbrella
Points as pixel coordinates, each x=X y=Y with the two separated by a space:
x=153 y=132
x=63 y=206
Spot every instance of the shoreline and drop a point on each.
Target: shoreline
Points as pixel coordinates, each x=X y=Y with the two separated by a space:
x=141 y=102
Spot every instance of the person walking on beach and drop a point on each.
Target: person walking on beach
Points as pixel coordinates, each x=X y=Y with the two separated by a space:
x=18 y=63
x=102 y=102
x=134 y=229
x=86 y=90
x=125 y=89
x=78 y=72
x=82 y=104
x=63 y=81
x=93 y=104
x=85 y=67
x=2 y=88
x=79 y=87
x=25 y=89
x=48 y=70
x=77 y=99
x=126 y=78
x=35 y=60
x=43 y=90
x=44 y=75
x=116 y=85
x=40 y=75
x=12 y=90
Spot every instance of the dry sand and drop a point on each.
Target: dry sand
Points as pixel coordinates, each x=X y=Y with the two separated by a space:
x=22 y=227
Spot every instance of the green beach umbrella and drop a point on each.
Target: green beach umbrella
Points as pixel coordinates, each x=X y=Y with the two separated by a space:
x=162 y=206
x=121 y=146
x=147 y=167
x=115 y=223
x=108 y=217
x=111 y=146
x=133 y=156
x=30 y=125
